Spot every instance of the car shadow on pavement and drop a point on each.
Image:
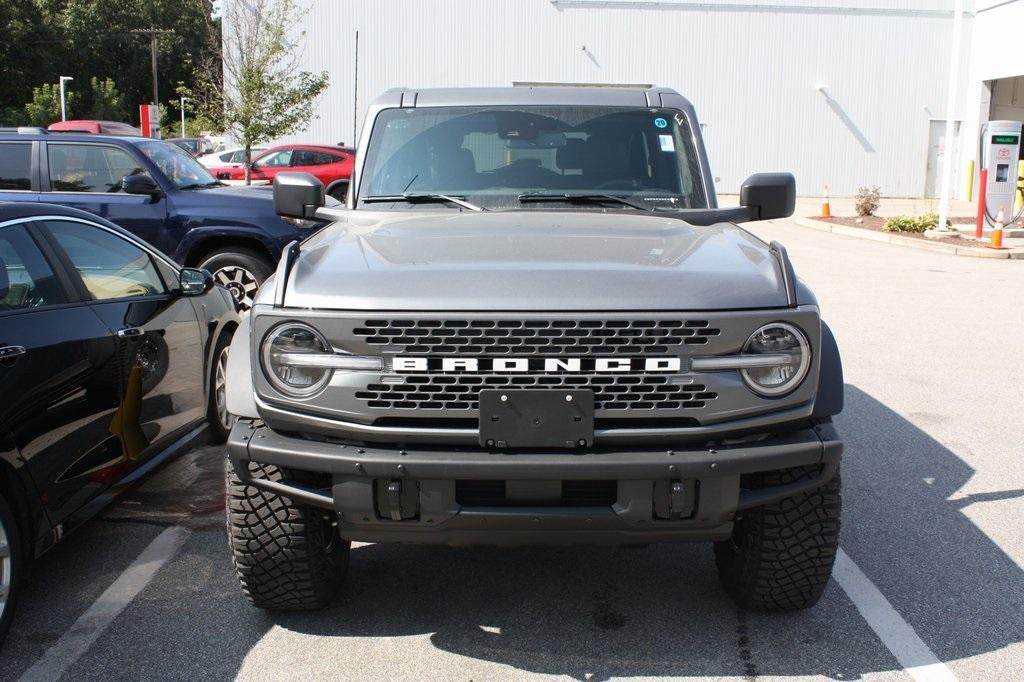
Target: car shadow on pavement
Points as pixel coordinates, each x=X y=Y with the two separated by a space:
x=594 y=613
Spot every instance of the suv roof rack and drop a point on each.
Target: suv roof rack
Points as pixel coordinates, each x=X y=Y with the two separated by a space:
x=553 y=84
x=24 y=130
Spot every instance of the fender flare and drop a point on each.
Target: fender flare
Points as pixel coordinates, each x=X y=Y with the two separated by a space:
x=195 y=237
x=829 y=401
x=241 y=396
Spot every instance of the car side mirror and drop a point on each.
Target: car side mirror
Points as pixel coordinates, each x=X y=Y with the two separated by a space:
x=141 y=183
x=769 y=195
x=195 y=282
x=297 y=195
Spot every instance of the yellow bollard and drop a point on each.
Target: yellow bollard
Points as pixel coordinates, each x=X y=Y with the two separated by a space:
x=969 y=192
x=1020 y=185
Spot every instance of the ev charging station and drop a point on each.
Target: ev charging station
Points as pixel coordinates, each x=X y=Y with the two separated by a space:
x=999 y=152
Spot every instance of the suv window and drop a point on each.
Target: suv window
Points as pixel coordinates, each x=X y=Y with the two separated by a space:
x=26 y=280
x=277 y=159
x=16 y=166
x=88 y=167
x=110 y=266
x=305 y=157
x=492 y=154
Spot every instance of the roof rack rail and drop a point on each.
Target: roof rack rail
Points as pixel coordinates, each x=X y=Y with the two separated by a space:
x=553 y=84
x=24 y=130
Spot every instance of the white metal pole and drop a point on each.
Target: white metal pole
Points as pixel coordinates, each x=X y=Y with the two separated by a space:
x=63 y=106
x=183 y=100
x=951 y=97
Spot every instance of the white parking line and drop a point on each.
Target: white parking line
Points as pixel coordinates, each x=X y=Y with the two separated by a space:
x=912 y=653
x=91 y=624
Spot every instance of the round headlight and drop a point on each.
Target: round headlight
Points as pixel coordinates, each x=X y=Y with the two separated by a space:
x=283 y=367
x=794 y=354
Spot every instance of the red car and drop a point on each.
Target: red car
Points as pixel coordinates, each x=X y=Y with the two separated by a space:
x=332 y=165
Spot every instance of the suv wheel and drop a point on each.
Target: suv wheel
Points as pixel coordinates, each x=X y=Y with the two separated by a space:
x=241 y=271
x=217 y=415
x=780 y=555
x=287 y=556
x=10 y=566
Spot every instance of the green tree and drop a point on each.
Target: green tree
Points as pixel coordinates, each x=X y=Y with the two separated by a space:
x=259 y=92
x=93 y=38
x=44 y=108
x=26 y=56
x=107 y=101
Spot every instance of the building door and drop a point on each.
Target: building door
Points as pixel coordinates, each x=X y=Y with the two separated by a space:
x=936 y=150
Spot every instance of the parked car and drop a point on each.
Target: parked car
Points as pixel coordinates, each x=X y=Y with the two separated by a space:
x=331 y=165
x=227 y=159
x=196 y=146
x=95 y=127
x=534 y=325
x=158 y=192
x=112 y=359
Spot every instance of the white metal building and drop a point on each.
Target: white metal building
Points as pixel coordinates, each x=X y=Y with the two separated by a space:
x=844 y=92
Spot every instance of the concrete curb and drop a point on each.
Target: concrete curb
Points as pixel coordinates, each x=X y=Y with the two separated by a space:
x=913 y=242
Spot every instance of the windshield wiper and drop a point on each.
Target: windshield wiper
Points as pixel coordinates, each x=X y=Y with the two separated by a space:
x=198 y=185
x=588 y=197
x=421 y=198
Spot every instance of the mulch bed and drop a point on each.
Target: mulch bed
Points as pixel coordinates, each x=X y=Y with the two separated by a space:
x=875 y=223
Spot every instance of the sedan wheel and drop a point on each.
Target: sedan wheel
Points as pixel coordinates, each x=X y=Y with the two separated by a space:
x=220 y=395
x=240 y=282
x=10 y=566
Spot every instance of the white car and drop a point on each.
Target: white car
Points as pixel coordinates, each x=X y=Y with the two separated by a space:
x=228 y=158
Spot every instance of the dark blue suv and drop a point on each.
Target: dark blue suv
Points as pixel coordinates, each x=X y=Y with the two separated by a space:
x=158 y=192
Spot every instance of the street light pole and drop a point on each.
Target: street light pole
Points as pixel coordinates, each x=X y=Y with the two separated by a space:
x=183 y=100
x=153 y=34
x=63 y=106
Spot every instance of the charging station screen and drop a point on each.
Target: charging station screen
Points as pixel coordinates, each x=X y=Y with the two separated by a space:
x=1005 y=139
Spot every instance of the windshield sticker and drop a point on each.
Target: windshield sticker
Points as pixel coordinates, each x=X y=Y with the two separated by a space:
x=667 y=143
x=660 y=122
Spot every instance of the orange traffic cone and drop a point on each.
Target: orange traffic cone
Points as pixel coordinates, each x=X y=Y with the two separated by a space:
x=826 y=210
x=997 y=232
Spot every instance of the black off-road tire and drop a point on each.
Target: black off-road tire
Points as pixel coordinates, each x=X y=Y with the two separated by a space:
x=780 y=555
x=11 y=560
x=288 y=557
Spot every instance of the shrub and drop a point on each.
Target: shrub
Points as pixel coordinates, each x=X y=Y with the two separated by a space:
x=865 y=201
x=905 y=223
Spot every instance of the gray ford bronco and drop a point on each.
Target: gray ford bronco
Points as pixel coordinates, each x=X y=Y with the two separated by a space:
x=532 y=323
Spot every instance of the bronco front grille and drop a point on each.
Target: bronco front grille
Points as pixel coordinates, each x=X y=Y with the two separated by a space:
x=461 y=391
x=536 y=337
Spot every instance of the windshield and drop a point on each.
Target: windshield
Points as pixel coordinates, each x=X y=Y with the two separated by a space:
x=177 y=164
x=492 y=155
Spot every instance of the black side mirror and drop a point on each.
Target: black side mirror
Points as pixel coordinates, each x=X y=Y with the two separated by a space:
x=195 y=282
x=140 y=183
x=769 y=195
x=297 y=195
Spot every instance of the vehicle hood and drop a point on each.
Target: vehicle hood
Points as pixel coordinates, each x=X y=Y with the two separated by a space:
x=532 y=260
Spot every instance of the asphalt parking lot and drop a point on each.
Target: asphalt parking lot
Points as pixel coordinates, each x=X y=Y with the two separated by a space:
x=930 y=582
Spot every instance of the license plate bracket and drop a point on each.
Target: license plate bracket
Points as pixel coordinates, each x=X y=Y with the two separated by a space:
x=531 y=418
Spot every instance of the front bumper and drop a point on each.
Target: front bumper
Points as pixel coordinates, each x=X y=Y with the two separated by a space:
x=390 y=494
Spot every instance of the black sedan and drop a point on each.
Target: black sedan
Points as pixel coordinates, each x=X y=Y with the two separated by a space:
x=112 y=359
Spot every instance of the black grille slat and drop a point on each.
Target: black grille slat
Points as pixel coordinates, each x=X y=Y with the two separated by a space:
x=542 y=338
x=611 y=392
